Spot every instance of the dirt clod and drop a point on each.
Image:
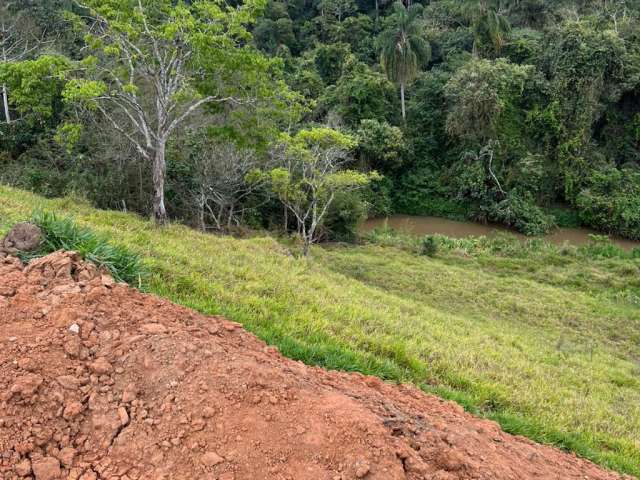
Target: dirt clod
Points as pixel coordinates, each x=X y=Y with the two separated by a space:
x=144 y=389
x=23 y=237
x=47 y=468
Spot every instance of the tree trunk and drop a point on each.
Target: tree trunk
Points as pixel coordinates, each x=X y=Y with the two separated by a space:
x=286 y=219
x=159 y=171
x=404 y=113
x=5 y=102
x=231 y=214
x=377 y=10
x=201 y=205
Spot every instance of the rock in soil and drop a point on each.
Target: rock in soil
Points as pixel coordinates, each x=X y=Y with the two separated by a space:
x=23 y=237
x=151 y=390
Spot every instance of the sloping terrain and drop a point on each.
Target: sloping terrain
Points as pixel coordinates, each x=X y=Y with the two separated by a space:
x=100 y=381
x=546 y=343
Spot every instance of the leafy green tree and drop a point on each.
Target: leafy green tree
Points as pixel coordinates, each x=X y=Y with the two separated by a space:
x=479 y=94
x=403 y=47
x=15 y=45
x=35 y=86
x=359 y=94
x=338 y=9
x=380 y=145
x=589 y=69
x=330 y=60
x=490 y=26
x=312 y=174
x=158 y=63
x=272 y=35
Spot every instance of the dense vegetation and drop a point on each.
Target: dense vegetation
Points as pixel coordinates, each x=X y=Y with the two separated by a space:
x=305 y=116
x=540 y=338
x=513 y=111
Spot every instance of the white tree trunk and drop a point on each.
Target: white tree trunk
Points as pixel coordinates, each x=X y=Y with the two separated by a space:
x=5 y=102
x=404 y=113
x=159 y=172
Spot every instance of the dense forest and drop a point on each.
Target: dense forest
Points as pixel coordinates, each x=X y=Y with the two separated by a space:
x=306 y=115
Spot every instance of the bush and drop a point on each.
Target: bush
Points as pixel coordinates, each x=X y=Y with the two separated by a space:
x=429 y=246
x=64 y=234
x=611 y=202
x=602 y=246
x=519 y=211
x=345 y=215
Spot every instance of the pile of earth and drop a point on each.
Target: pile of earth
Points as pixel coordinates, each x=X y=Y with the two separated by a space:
x=100 y=381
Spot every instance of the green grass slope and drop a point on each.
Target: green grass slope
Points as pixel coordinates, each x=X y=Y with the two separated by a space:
x=548 y=345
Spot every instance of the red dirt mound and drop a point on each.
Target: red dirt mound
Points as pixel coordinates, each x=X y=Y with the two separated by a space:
x=98 y=381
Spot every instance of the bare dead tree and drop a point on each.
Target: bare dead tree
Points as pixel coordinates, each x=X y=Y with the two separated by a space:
x=220 y=183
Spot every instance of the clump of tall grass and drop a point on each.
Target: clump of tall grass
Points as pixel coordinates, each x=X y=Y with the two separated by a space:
x=63 y=234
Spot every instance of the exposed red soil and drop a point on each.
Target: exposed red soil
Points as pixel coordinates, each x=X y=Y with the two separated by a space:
x=98 y=381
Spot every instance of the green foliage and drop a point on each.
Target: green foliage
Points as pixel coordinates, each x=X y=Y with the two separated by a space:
x=489 y=25
x=610 y=201
x=345 y=215
x=554 y=84
x=63 y=234
x=361 y=93
x=429 y=246
x=330 y=60
x=312 y=177
x=380 y=145
x=403 y=48
x=35 y=86
x=479 y=95
x=518 y=210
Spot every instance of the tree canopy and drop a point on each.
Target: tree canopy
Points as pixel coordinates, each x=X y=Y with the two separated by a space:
x=508 y=111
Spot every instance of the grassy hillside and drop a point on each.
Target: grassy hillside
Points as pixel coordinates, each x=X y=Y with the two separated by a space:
x=546 y=343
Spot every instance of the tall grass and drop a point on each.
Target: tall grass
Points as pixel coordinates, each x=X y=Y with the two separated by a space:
x=545 y=340
x=63 y=234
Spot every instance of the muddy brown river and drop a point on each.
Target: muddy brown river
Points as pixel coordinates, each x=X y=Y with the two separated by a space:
x=435 y=225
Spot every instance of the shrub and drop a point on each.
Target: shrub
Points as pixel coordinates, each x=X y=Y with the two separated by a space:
x=519 y=211
x=611 y=202
x=346 y=213
x=602 y=246
x=64 y=234
x=429 y=246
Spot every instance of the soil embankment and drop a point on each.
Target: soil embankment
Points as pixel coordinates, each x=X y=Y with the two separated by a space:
x=99 y=381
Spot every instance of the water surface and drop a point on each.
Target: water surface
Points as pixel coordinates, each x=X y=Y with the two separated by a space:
x=425 y=225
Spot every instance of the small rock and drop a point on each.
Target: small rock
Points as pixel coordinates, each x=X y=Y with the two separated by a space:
x=72 y=347
x=74 y=328
x=153 y=328
x=100 y=366
x=47 y=468
x=123 y=416
x=228 y=326
x=72 y=410
x=66 y=456
x=208 y=412
x=23 y=468
x=211 y=459
x=68 y=382
x=130 y=393
x=362 y=470
x=26 y=386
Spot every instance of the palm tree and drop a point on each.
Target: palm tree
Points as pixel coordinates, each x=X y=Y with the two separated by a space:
x=403 y=48
x=489 y=25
